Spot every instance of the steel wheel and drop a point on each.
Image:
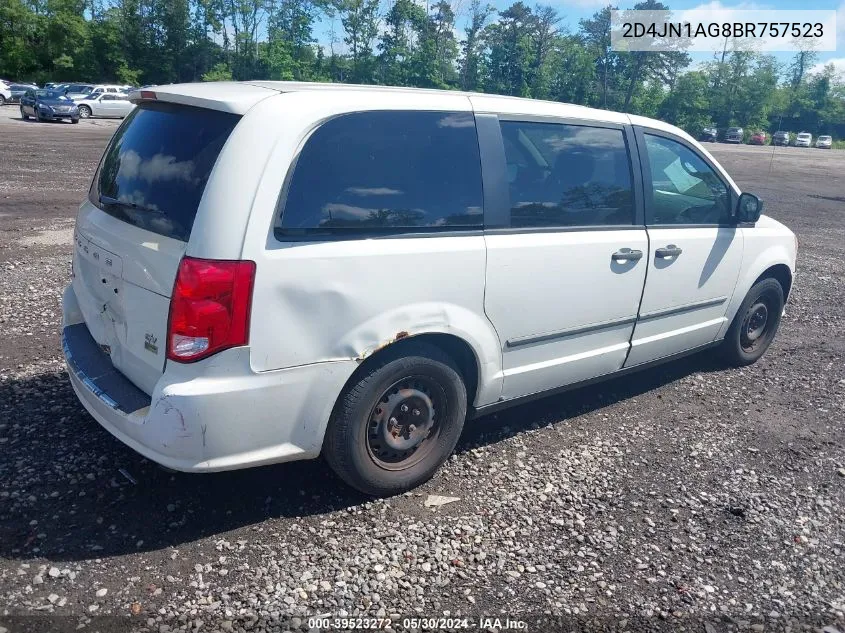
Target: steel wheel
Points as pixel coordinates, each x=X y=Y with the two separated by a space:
x=397 y=420
x=755 y=324
x=403 y=425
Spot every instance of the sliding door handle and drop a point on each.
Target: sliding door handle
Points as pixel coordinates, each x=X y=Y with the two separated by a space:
x=626 y=255
x=667 y=252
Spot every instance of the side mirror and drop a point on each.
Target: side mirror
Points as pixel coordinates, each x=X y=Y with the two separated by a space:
x=748 y=208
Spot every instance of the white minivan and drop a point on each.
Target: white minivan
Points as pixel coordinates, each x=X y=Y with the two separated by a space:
x=271 y=271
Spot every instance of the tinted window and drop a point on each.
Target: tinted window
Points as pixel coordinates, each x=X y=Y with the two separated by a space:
x=51 y=94
x=387 y=171
x=684 y=189
x=567 y=175
x=154 y=170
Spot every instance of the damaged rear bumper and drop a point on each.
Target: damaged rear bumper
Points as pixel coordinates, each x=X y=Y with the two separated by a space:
x=216 y=414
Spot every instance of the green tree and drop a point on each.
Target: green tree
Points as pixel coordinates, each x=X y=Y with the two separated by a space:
x=508 y=63
x=472 y=47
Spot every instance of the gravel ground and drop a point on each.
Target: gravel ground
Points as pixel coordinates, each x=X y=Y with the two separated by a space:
x=688 y=497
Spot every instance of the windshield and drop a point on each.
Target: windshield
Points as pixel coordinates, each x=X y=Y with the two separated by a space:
x=734 y=130
x=824 y=138
x=51 y=94
x=154 y=171
x=804 y=135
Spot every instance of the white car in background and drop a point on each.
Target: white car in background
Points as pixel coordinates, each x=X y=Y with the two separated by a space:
x=105 y=104
x=824 y=142
x=101 y=89
x=5 y=93
x=805 y=139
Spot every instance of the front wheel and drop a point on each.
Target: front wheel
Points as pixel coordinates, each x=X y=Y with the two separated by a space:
x=755 y=324
x=397 y=420
x=84 y=111
x=24 y=115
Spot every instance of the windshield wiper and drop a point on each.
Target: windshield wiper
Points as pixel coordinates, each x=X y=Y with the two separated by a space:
x=128 y=205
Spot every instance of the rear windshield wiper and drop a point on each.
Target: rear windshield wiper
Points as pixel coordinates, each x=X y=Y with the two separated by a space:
x=128 y=205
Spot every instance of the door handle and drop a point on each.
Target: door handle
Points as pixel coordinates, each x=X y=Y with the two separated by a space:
x=626 y=255
x=668 y=251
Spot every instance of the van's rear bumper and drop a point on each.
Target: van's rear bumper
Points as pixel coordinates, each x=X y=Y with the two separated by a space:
x=208 y=416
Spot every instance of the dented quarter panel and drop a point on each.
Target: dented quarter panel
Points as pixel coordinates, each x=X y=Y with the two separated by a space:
x=342 y=300
x=346 y=300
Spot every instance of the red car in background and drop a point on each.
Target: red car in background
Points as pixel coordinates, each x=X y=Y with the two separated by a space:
x=758 y=138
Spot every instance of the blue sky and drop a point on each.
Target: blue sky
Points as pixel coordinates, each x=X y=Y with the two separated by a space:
x=574 y=10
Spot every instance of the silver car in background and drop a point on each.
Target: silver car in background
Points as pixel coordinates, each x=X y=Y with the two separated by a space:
x=824 y=142
x=106 y=104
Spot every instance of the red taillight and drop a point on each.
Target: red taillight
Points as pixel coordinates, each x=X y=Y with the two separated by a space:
x=209 y=308
x=148 y=94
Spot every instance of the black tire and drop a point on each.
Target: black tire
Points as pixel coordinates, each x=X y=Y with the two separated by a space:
x=755 y=324
x=24 y=115
x=75 y=120
x=84 y=112
x=406 y=375
x=2 y=100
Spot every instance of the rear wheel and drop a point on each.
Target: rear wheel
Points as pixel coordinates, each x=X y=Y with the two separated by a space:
x=84 y=111
x=24 y=115
x=755 y=324
x=397 y=421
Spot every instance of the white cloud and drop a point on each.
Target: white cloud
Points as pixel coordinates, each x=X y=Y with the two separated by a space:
x=838 y=64
x=840 y=27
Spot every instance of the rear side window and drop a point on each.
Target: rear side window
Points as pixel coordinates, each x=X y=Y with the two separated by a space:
x=154 y=171
x=386 y=172
x=567 y=175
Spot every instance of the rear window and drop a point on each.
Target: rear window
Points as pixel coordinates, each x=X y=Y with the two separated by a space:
x=154 y=171
x=386 y=172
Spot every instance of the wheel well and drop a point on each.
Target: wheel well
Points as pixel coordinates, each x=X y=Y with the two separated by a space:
x=781 y=274
x=457 y=348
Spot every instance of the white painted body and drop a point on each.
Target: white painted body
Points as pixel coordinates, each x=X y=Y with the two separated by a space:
x=5 y=92
x=805 y=139
x=107 y=105
x=321 y=308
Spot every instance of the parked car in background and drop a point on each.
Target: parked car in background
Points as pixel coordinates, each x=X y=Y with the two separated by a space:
x=804 y=139
x=824 y=142
x=102 y=89
x=106 y=104
x=780 y=138
x=373 y=371
x=709 y=134
x=734 y=135
x=758 y=138
x=5 y=93
x=19 y=90
x=48 y=105
x=78 y=91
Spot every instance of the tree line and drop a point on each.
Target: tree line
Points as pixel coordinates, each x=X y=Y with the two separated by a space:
x=523 y=51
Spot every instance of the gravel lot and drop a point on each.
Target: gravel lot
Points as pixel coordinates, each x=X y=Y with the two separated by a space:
x=689 y=497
